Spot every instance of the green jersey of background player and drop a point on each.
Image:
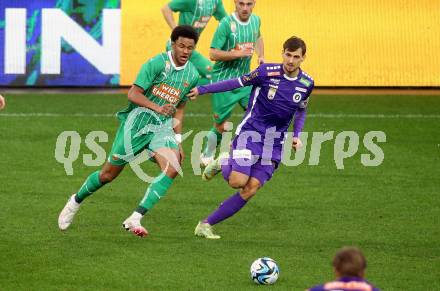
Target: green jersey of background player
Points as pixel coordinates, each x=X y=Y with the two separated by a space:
x=196 y=13
x=235 y=40
x=158 y=95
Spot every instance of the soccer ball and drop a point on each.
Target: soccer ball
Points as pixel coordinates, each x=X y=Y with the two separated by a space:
x=264 y=271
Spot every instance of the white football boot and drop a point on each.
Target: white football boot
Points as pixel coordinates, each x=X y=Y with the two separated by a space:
x=204 y=160
x=204 y=229
x=66 y=216
x=133 y=224
x=214 y=167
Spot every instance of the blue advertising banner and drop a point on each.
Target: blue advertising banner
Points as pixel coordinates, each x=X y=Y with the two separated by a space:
x=60 y=43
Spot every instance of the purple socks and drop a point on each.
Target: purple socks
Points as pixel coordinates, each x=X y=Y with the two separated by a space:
x=228 y=208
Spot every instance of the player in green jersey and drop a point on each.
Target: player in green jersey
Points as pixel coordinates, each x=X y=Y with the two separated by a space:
x=157 y=95
x=235 y=40
x=196 y=13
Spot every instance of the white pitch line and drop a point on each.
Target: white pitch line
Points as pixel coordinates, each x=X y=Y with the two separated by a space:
x=312 y=115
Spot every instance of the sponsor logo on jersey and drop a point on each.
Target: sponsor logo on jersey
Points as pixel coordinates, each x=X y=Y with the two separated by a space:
x=271 y=93
x=244 y=46
x=249 y=77
x=300 y=89
x=202 y=22
x=352 y=285
x=271 y=68
x=167 y=93
x=277 y=73
x=297 y=97
x=305 y=82
x=185 y=84
x=275 y=81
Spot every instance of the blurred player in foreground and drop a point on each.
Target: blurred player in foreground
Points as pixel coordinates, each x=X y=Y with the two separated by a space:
x=2 y=102
x=235 y=41
x=158 y=93
x=197 y=14
x=280 y=92
x=349 y=265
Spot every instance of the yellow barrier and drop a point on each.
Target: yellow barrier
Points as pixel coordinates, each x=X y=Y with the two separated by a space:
x=350 y=43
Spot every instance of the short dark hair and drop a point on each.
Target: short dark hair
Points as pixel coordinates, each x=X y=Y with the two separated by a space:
x=350 y=262
x=294 y=43
x=186 y=31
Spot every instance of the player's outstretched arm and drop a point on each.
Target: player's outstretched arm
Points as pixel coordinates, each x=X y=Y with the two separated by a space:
x=298 y=125
x=219 y=55
x=168 y=15
x=222 y=86
x=259 y=48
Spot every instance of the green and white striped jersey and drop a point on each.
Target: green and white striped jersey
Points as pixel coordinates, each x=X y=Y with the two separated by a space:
x=233 y=34
x=197 y=13
x=163 y=83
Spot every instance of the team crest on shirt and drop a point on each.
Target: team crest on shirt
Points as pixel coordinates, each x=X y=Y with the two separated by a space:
x=167 y=67
x=271 y=93
x=297 y=97
x=233 y=27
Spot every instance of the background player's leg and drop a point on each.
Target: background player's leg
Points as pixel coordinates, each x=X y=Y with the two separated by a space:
x=222 y=105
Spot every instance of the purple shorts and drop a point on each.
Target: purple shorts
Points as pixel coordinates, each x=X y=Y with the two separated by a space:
x=259 y=171
x=246 y=159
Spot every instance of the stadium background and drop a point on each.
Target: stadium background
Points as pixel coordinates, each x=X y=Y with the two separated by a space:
x=350 y=43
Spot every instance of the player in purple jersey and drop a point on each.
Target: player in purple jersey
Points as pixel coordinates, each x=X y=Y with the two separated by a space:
x=349 y=265
x=280 y=93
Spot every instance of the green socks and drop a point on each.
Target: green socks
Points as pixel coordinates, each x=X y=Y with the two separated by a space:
x=212 y=140
x=91 y=184
x=156 y=191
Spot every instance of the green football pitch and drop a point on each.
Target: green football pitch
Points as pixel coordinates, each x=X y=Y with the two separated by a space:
x=299 y=218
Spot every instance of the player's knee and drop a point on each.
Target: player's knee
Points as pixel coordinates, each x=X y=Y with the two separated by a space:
x=219 y=127
x=171 y=172
x=236 y=182
x=247 y=193
x=106 y=177
x=250 y=189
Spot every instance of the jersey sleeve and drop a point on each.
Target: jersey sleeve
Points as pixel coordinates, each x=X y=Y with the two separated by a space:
x=148 y=73
x=181 y=5
x=220 y=11
x=253 y=78
x=220 y=35
x=304 y=103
